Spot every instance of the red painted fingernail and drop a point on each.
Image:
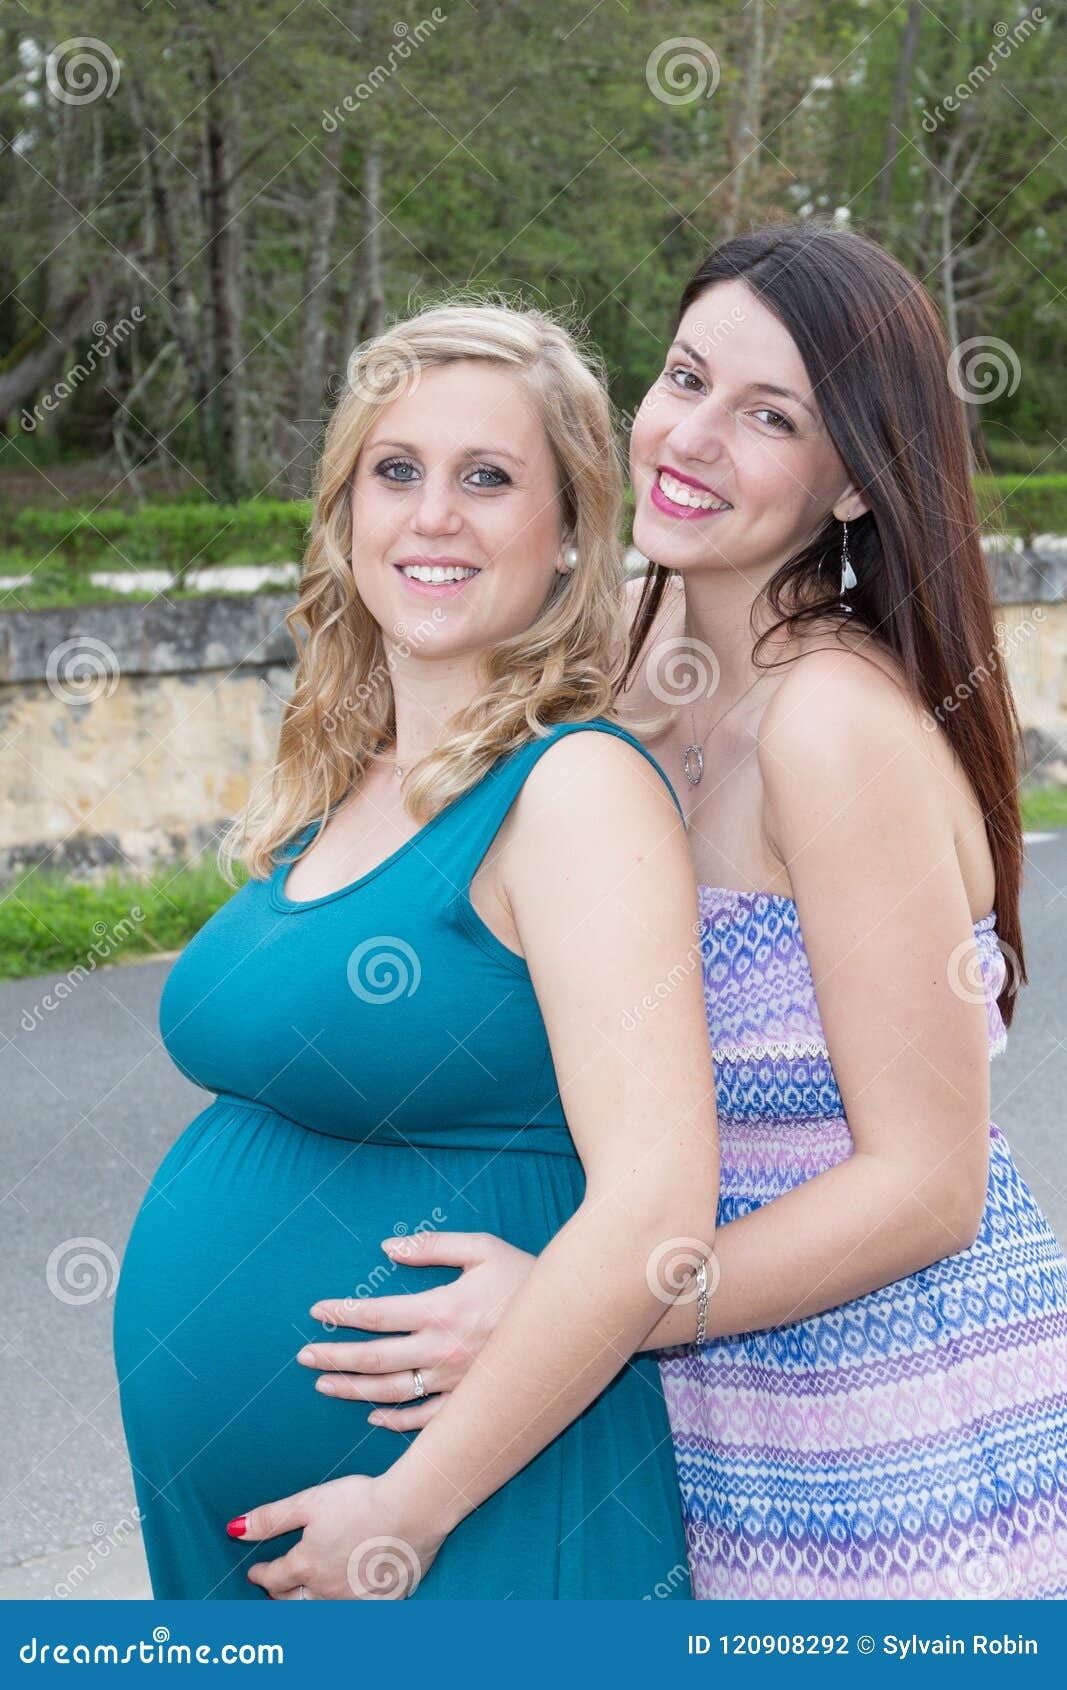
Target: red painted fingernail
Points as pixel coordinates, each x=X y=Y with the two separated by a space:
x=238 y=1527
x=269 y=1597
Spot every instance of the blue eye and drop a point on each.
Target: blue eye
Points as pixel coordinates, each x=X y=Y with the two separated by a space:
x=502 y=477
x=394 y=463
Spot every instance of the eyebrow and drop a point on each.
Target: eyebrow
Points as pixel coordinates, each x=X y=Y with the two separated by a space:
x=468 y=451
x=755 y=386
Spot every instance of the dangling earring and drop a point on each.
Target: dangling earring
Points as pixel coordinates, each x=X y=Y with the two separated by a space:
x=848 y=574
x=570 y=558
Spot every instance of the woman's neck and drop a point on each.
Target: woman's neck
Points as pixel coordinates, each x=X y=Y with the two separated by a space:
x=426 y=694
x=718 y=614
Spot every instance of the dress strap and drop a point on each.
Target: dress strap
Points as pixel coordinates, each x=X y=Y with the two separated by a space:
x=495 y=794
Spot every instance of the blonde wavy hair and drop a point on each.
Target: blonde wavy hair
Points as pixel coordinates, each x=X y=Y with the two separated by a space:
x=565 y=667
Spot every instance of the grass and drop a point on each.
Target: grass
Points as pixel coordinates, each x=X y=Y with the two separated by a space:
x=54 y=925
x=1044 y=808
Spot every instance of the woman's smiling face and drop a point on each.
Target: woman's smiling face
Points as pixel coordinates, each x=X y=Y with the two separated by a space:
x=457 y=475
x=730 y=459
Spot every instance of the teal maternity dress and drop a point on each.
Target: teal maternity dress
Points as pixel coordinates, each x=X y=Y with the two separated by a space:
x=380 y=1066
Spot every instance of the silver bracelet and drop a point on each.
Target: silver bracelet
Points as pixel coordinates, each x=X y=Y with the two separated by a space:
x=702 y=1301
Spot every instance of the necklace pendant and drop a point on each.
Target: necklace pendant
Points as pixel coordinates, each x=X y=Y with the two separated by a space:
x=694 y=752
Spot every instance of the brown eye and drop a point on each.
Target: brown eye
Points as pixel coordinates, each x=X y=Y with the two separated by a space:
x=779 y=422
x=683 y=370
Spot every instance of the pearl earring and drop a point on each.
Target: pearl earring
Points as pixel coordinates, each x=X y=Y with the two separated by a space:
x=570 y=558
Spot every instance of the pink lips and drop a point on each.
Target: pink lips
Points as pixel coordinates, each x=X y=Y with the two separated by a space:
x=682 y=513
x=435 y=589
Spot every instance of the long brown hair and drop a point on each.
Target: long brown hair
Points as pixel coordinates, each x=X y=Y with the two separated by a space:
x=878 y=359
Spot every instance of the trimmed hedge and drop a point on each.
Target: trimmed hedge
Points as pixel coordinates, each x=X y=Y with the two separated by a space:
x=1023 y=504
x=178 y=537
x=64 y=543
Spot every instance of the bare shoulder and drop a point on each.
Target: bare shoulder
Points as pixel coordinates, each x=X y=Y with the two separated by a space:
x=589 y=779
x=836 y=707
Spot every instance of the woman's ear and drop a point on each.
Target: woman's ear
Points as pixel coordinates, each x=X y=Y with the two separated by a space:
x=850 y=505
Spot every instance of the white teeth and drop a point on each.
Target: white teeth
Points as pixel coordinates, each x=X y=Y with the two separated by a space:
x=680 y=493
x=436 y=573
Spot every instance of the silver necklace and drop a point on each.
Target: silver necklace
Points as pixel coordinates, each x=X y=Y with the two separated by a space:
x=694 y=754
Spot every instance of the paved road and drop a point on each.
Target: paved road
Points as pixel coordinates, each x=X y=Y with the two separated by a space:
x=91 y=1103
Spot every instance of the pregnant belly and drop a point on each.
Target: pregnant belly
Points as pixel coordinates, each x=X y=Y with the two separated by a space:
x=249 y=1220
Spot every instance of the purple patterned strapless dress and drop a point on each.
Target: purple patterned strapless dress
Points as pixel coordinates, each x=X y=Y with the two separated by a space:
x=909 y=1444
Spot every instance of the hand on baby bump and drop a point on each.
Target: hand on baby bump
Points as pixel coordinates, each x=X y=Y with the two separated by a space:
x=443 y=1328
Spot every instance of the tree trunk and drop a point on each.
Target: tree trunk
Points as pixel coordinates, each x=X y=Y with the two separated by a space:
x=184 y=318
x=883 y=186
x=374 y=287
x=746 y=130
x=229 y=470
x=311 y=384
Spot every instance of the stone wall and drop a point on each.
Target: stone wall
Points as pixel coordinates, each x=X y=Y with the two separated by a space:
x=130 y=733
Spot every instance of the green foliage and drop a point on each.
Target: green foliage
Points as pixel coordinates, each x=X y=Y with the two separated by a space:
x=178 y=537
x=1024 y=504
x=52 y=923
x=1044 y=808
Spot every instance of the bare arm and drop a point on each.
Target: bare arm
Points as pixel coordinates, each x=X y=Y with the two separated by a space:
x=857 y=810
x=604 y=912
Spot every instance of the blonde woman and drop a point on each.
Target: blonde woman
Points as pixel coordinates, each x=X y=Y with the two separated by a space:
x=462 y=879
